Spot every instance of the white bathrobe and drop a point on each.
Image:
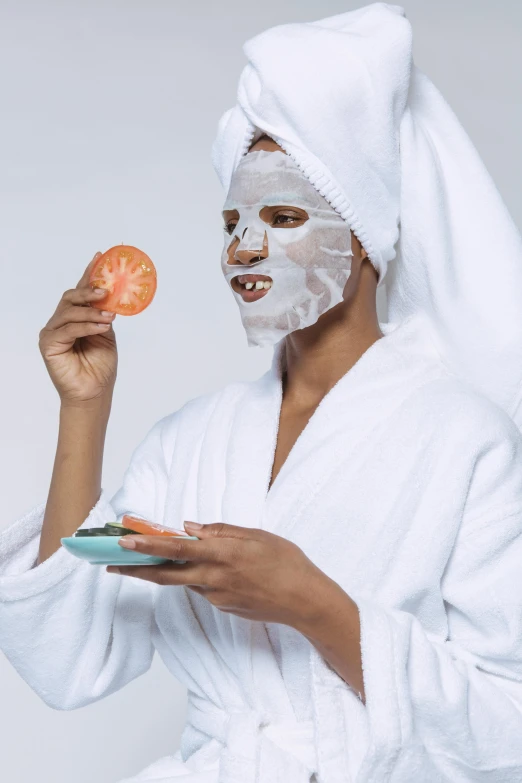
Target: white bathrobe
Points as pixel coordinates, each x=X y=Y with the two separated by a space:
x=406 y=488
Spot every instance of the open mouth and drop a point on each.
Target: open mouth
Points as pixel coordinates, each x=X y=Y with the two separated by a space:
x=251 y=287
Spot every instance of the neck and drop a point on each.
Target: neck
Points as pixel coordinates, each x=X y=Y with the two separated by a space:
x=318 y=356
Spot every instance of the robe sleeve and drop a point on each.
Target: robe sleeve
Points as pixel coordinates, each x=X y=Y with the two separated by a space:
x=74 y=632
x=451 y=709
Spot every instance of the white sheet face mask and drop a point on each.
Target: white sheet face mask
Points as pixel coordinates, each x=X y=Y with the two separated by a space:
x=309 y=264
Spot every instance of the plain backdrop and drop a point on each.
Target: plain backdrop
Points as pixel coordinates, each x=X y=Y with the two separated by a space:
x=108 y=111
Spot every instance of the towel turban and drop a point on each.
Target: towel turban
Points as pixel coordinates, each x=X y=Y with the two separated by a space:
x=373 y=134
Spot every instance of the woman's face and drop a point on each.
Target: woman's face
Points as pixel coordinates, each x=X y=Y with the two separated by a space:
x=274 y=216
x=287 y=252
x=237 y=254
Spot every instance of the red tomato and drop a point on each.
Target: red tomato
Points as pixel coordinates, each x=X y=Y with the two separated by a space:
x=149 y=528
x=129 y=276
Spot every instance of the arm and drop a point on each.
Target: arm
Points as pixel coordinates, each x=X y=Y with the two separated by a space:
x=452 y=706
x=73 y=632
x=76 y=480
x=78 y=346
x=334 y=629
x=459 y=699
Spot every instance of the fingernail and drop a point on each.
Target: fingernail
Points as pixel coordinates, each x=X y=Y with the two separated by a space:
x=100 y=291
x=106 y=312
x=193 y=525
x=103 y=326
x=128 y=543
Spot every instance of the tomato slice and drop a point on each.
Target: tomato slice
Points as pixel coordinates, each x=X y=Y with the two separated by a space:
x=149 y=528
x=129 y=276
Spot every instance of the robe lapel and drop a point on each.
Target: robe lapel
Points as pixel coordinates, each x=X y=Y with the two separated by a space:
x=341 y=428
x=251 y=448
x=245 y=425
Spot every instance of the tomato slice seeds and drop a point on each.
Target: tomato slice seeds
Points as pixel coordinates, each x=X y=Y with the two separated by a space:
x=129 y=276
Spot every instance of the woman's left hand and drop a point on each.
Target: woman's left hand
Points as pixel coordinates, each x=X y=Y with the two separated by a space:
x=259 y=576
x=245 y=571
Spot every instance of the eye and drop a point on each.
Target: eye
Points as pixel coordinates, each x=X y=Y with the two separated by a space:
x=289 y=219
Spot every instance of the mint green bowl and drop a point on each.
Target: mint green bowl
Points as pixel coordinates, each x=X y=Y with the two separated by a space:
x=105 y=550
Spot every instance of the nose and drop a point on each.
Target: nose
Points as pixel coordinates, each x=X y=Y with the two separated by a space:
x=247 y=255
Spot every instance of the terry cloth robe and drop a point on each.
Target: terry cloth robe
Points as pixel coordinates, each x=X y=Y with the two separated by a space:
x=405 y=488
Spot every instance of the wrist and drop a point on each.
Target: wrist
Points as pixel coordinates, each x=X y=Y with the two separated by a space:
x=332 y=625
x=99 y=406
x=326 y=603
x=83 y=424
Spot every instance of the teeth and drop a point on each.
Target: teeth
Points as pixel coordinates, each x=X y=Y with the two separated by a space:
x=259 y=285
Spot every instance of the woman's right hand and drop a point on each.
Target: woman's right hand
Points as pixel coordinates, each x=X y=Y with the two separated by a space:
x=78 y=345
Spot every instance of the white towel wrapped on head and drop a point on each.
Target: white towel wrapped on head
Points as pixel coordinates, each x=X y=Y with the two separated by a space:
x=344 y=98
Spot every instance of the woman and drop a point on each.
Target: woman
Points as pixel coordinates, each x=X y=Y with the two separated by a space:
x=352 y=610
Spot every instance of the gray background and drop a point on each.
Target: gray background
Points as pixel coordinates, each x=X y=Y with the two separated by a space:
x=108 y=113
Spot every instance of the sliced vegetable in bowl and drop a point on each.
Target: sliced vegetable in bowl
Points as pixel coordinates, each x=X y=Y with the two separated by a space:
x=99 y=545
x=110 y=529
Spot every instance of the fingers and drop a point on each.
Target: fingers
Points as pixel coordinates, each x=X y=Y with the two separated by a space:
x=66 y=335
x=173 y=547
x=222 y=530
x=84 y=279
x=83 y=296
x=75 y=306
x=77 y=314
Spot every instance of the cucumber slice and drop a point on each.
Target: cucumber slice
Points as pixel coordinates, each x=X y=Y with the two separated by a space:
x=91 y=531
x=117 y=529
x=110 y=529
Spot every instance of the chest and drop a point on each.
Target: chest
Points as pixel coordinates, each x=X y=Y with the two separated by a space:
x=373 y=501
x=292 y=423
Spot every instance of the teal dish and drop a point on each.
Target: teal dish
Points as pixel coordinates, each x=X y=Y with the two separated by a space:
x=105 y=550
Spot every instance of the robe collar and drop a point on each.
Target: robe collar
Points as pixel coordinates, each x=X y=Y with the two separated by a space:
x=389 y=370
